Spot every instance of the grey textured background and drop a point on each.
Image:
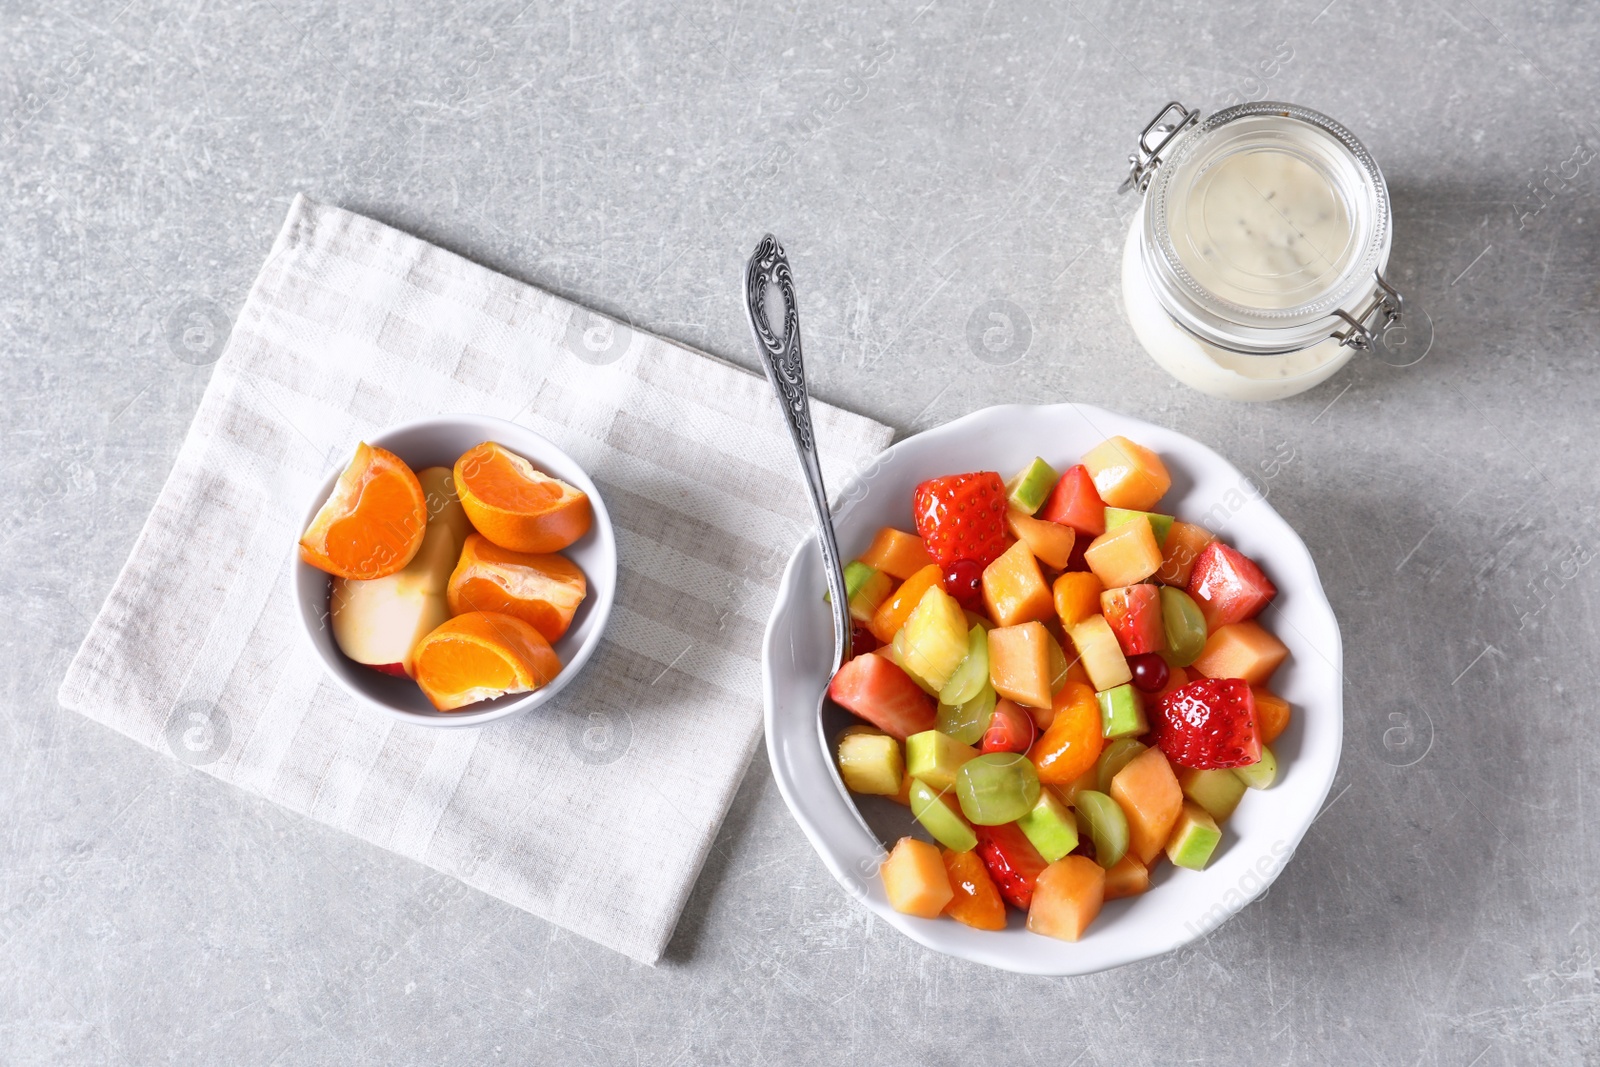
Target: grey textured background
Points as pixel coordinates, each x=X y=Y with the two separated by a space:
x=919 y=162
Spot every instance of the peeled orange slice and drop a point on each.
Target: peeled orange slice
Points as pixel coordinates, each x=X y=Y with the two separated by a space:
x=374 y=521
x=518 y=507
x=542 y=589
x=479 y=656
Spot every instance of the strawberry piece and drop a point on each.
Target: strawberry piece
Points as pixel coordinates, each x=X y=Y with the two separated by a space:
x=1134 y=612
x=1010 y=729
x=962 y=516
x=876 y=690
x=1209 y=724
x=1228 y=586
x=1075 y=502
x=1013 y=862
x=963 y=579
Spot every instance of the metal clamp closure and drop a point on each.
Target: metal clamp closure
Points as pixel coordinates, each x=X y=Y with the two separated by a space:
x=1170 y=121
x=1360 y=336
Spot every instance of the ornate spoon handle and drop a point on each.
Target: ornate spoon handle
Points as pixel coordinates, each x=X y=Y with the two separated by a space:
x=780 y=356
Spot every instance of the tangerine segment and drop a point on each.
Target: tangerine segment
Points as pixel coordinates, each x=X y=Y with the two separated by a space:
x=373 y=523
x=479 y=656
x=542 y=589
x=518 y=507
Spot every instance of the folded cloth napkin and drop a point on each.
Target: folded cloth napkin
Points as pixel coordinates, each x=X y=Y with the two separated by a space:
x=594 y=812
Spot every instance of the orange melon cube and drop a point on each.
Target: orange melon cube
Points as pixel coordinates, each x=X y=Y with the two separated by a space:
x=1051 y=542
x=1077 y=596
x=896 y=553
x=1019 y=663
x=898 y=605
x=1272 y=714
x=976 y=901
x=1014 y=589
x=1150 y=796
x=1241 y=650
x=1124 y=555
x=1180 y=550
x=915 y=880
x=1127 y=475
x=1127 y=878
x=1067 y=897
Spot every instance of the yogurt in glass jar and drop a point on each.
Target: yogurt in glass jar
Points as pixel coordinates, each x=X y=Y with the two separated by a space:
x=1254 y=268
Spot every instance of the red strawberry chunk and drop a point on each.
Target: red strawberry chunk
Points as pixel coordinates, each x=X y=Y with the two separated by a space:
x=1075 y=502
x=876 y=690
x=962 y=516
x=1209 y=724
x=1013 y=862
x=1228 y=586
x=1010 y=730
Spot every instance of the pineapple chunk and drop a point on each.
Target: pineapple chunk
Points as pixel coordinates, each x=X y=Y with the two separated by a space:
x=870 y=761
x=936 y=637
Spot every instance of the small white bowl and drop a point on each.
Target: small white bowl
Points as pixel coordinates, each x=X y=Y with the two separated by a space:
x=439 y=442
x=1180 y=905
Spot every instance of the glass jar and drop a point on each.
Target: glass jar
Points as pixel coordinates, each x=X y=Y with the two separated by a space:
x=1254 y=269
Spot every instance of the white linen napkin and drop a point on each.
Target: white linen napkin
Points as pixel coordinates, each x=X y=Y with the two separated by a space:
x=594 y=812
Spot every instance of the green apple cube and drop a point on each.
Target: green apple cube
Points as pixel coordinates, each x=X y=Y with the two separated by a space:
x=1262 y=774
x=1121 y=712
x=1050 y=826
x=1031 y=486
x=936 y=758
x=1159 y=524
x=870 y=762
x=1115 y=756
x=973 y=672
x=1103 y=820
x=947 y=828
x=1217 y=791
x=1194 y=838
x=866 y=587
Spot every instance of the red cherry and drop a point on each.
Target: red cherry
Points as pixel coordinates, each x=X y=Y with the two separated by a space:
x=963 y=579
x=1150 y=672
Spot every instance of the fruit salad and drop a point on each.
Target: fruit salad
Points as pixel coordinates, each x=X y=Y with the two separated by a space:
x=452 y=577
x=1064 y=684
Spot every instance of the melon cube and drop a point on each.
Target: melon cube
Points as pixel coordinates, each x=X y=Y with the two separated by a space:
x=1126 y=555
x=1127 y=878
x=896 y=553
x=1218 y=791
x=1067 y=897
x=1048 y=541
x=915 y=879
x=1194 y=838
x=1185 y=541
x=1127 y=475
x=1149 y=795
x=1014 y=589
x=870 y=761
x=1272 y=714
x=1241 y=650
x=1019 y=663
x=1100 y=653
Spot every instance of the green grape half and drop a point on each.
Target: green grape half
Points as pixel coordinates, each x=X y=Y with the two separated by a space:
x=1115 y=756
x=1102 y=820
x=967 y=722
x=1185 y=626
x=997 y=788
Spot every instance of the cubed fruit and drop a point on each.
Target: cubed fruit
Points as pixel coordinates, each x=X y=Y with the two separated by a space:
x=940 y=818
x=893 y=612
x=1105 y=823
x=1100 y=653
x=1194 y=838
x=1077 y=596
x=1072 y=743
x=1050 y=542
x=1241 y=650
x=1050 y=826
x=972 y=675
x=935 y=758
x=1067 y=898
x=1217 y=791
x=1014 y=589
x=1272 y=714
x=1159 y=524
x=1183 y=545
x=896 y=553
x=867 y=587
x=915 y=880
x=870 y=761
x=1260 y=774
x=1030 y=487
x=1134 y=615
x=1228 y=586
x=895 y=652
x=1019 y=663
x=1127 y=475
x=936 y=637
x=874 y=689
x=1151 y=798
x=1121 y=712
x=1124 y=556
x=976 y=902
x=1128 y=878
x=1075 y=503
x=1012 y=862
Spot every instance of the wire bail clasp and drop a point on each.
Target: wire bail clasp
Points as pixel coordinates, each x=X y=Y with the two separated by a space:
x=1169 y=122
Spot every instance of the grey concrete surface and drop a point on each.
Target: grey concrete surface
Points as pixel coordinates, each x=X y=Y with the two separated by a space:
x=919 y=160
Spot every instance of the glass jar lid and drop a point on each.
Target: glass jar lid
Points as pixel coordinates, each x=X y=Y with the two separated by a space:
x=1262 y=224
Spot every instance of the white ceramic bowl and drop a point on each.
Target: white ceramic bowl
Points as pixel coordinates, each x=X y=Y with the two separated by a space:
x=439 y=442
x=1181 y=905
